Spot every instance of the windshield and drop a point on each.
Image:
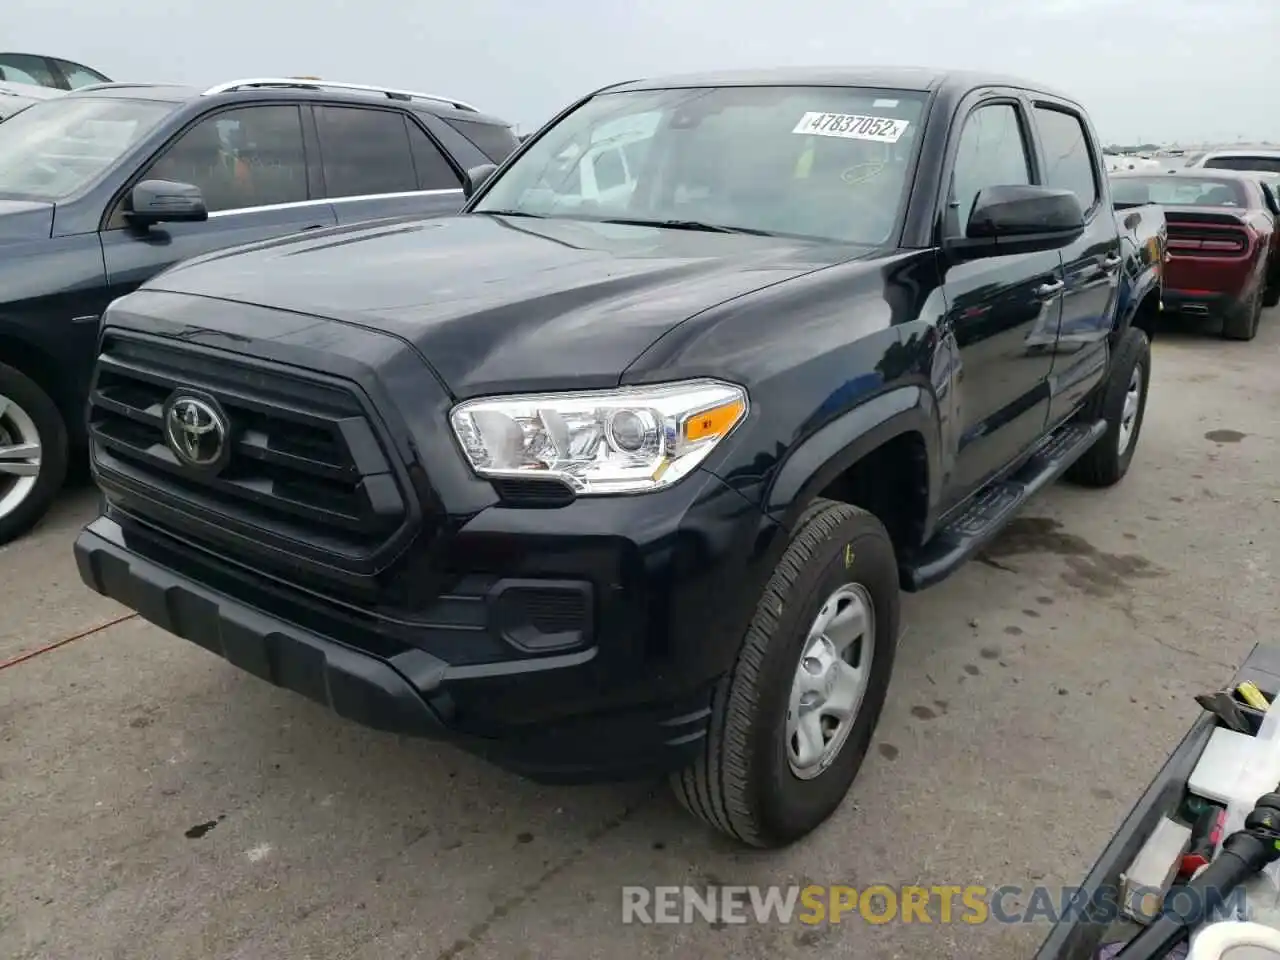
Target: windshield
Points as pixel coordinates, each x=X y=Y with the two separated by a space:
x=826 y=163
x=1270 y=164
x=1179 y=191
x=53 y=148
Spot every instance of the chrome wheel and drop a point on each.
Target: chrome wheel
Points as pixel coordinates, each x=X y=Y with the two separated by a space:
x=1129 y=415
x=19 y=455
x=830 y=680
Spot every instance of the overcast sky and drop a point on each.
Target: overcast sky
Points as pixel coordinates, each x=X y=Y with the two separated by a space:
x=1150 y=69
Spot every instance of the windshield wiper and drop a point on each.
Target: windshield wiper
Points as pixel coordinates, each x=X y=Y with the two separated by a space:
x=511 y=213
x=687 y=225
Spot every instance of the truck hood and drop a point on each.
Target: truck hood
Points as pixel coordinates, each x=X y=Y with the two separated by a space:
x=25 y=220
x=505 y=303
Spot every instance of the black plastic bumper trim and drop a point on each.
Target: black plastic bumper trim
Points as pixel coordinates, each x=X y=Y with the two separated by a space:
x=355 y=685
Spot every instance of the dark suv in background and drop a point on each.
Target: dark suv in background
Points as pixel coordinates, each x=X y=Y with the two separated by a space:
x=102 y=188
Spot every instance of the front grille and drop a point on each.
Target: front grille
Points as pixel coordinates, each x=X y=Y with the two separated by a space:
x=305 y=476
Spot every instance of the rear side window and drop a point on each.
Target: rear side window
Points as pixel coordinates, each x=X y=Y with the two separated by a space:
x=26 y=68
x=493 y=140
x=1068 y=163
x=364 y=152
x=434 y=170
x=1268 y=164
x=78 y=75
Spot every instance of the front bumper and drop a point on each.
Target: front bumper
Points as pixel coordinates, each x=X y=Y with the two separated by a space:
x=630 y=699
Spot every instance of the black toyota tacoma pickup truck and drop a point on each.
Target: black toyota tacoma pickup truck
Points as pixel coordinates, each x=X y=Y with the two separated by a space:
x=104 y=187
x=607 y=487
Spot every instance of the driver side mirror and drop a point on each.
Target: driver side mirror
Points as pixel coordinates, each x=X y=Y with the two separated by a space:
x=164 y=201
x=475 y=178
x=1019 y=219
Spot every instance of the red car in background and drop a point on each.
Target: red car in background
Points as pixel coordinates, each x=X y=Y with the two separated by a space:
x=1223 y=259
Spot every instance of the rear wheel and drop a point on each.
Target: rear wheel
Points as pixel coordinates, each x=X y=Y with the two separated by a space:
x=1244 y=325
x=1122 y=403
x=33 y=453
x=791 y=724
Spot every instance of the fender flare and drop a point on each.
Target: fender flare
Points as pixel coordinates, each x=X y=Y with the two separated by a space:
x=832 y=449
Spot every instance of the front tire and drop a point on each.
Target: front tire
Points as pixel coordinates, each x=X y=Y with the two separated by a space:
x=33 y=453
x=1122 y=403
x=792 y=722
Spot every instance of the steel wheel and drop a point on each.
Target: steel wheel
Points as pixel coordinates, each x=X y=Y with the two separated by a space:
x=1129 y=415
x=830 y=680
x=19 y=455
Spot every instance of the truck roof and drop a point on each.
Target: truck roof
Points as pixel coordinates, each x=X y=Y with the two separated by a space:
x=924 y=79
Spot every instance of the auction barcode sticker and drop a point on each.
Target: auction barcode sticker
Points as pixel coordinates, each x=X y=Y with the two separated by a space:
x=852 y=126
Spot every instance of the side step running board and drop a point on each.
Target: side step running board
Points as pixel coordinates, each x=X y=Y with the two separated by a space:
x=994 y=506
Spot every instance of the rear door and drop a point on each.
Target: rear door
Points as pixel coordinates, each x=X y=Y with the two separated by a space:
x=1091 y=265
x=378 y=162
x=251 y=166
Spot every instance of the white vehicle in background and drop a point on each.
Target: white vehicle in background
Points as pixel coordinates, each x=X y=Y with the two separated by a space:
x=1263 y=159
x=603 y=172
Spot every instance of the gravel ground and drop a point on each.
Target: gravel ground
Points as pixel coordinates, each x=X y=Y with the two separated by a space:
x=156 y=803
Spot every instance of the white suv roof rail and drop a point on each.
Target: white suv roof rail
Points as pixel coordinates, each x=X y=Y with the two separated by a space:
x=308 y=83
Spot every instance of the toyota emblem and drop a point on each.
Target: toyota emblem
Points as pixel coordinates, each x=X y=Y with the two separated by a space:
x=196 y=431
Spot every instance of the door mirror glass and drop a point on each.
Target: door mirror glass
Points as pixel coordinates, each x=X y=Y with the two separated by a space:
x=1020 y=219
x=477 y=177
x=164 y=201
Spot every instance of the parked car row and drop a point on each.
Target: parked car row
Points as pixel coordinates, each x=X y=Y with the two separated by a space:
x=1224 y=235
x=102 y=188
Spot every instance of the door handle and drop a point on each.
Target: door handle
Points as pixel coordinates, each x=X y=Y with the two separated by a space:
x=1111 y=262
x=1047 y=290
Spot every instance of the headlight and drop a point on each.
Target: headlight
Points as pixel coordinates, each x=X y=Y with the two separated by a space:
x=612 y=441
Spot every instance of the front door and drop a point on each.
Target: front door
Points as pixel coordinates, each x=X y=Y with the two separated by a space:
x=1091 y=265
x=250 y=165
x=1002 y=311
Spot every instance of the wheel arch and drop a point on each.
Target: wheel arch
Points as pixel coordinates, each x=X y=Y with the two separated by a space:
x=40 y=366
x=882 y=455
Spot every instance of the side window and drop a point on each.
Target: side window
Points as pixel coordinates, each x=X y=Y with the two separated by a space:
x=1068 y=165
x=991 y=153
x=364 y=152
x=609 y=170
x=25 y=68
x=79 y=76
x=434 y=170
x=244 y=157
x=494 y=140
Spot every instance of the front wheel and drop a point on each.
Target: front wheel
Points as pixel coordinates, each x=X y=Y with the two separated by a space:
x=791 y=724
x=33 y=453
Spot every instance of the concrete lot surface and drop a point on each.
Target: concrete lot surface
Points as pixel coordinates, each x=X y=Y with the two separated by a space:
x=156 y=803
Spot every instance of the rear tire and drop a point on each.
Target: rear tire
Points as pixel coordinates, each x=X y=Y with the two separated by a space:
x=1107 y=461
x=33 y=453
x=1272 y=296
x=747 y=782
x=1244 y=325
